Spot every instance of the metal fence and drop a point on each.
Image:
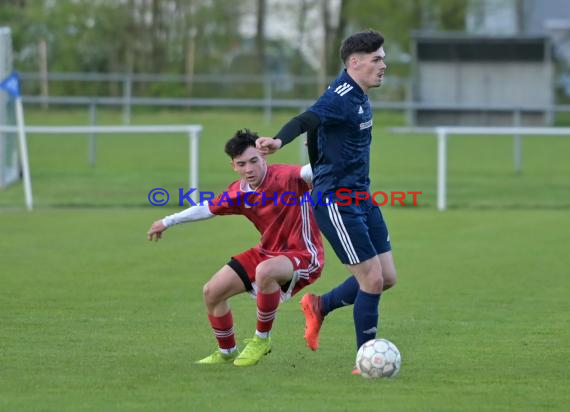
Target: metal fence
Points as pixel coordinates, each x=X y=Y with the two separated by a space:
x=267 y=92
x=230 y=91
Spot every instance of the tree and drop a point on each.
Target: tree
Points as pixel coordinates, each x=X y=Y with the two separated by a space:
x=260 y=35
x=398 y=19
x=334 y=26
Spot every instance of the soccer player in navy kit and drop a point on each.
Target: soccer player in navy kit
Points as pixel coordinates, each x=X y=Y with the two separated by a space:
x=339 y=134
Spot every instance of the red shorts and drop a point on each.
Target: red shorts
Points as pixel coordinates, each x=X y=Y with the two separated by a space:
x=306 y=269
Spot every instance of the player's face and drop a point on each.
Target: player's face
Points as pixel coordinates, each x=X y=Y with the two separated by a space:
x=251 y=166
x=368 y=68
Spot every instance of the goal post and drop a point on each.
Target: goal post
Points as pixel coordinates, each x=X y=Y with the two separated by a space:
x=192 y=131
x=444 y=132
x=9 y=162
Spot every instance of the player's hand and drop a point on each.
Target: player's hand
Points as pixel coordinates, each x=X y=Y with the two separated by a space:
x=268 y=145
x=156 y=230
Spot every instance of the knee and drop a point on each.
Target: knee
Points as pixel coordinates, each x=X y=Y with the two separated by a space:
x=262 y=275
x=373 y=282
x=376 y=284
x=390 y=278
x=211 y=295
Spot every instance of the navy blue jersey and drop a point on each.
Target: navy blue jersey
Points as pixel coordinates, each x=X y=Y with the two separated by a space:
x=344 y=136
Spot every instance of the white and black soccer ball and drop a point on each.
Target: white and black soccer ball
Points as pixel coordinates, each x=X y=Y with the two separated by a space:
x=378 y=358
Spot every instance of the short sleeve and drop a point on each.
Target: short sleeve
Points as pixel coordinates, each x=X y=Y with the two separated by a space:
x=294 y=176
x=329 y=108
x=227 y=203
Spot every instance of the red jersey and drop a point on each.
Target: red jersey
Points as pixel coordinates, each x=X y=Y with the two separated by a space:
x=285 y=222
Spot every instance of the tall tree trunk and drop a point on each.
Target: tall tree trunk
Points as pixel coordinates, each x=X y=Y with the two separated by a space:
x=157 y=37
x=190 y=38
x=333 y=35
x=334 y=62
x=323 y=67
x=299 y=61
x=260 y=36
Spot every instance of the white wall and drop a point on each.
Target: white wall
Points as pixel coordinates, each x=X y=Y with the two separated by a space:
x=485 y=83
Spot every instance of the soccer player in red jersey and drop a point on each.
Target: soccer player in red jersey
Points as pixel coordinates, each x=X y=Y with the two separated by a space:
x=289 y=256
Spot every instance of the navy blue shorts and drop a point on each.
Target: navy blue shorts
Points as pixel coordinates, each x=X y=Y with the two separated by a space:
x=356 y=233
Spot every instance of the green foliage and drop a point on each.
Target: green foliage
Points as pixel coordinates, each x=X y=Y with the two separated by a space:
x=398 y=19
x=129 y=36
x=193 y=36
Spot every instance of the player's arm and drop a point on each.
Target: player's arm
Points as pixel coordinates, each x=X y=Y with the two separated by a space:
x=307 y=174
x=192 y=214
x=305 y=122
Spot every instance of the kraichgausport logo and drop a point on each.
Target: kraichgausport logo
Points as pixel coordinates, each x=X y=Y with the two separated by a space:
x=340 y=197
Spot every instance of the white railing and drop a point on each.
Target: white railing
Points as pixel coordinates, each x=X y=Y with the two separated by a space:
x=192 y=131
x=444 y=132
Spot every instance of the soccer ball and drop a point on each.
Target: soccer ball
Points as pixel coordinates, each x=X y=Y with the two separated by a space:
x=378 y=358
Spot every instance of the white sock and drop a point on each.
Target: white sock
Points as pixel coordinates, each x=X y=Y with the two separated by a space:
x=262 y=335
x=228 y=351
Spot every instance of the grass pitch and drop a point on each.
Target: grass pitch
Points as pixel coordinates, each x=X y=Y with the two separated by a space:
x=93 y=317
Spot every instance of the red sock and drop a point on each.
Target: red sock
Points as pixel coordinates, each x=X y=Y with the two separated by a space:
x=266 y=310
x=223 y=327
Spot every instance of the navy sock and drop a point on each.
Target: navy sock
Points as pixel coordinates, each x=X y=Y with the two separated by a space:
x=343 y=295
x=365 y=312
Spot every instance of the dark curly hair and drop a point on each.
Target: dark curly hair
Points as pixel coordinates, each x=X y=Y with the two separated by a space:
x=239 y=143
x=362 y=42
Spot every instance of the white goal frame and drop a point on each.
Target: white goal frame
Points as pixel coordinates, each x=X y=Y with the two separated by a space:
x=443 y=132
x=192 y=131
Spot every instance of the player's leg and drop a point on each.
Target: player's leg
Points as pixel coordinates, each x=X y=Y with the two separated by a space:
x=366 y=305
x=371 y=274
x=380 y=238
x=368 y=273
x=314 y=307
x=270 y=275
x=342 y=295
x=223 y=285
x=389 y=273
x=365 y=310
x=317 y=307
x=346 y=229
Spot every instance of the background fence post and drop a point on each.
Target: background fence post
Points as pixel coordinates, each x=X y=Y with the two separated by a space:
x=92 y=137
x=127 y=94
